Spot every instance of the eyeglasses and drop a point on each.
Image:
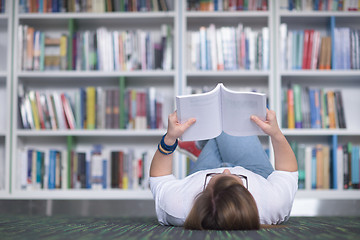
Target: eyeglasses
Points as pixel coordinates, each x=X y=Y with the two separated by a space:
x=210 y=175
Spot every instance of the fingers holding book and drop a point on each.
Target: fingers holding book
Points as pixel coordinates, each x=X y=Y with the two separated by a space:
x=175 y=128
x=270 y=125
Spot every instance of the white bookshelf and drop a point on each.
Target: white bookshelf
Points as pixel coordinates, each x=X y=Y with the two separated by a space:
x=141 y=16
x=5 y=97
x=229 y=73
x=243 y=79
x=82 y=194
x=348 y=81
x=95 y=74
x=320 y=132
x=331 y=194
x=93 y=133
x=193 y=20
x=174 y=82
x=165 y=81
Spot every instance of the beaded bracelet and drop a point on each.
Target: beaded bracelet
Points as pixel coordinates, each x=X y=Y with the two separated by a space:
x=166 y=149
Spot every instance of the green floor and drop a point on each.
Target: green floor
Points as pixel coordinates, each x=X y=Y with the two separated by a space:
x=60 y=227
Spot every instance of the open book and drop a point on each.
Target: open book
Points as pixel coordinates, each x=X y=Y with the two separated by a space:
x=220 y=110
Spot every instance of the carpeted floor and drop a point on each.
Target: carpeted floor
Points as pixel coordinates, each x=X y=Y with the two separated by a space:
x=61 y=227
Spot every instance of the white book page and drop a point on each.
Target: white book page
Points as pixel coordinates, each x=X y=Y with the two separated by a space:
x=237 y=108
x=205 y=108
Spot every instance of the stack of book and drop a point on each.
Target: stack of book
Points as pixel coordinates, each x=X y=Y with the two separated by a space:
x=94 y=169
x=307 y=49
x=101 y=50
x=99 y=6
x=93 y=108
x=306 y=107
x=323 y=5
x=227 y=5
x=324 y=166
x=228 y=48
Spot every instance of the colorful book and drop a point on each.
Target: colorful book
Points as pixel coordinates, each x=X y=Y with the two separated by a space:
x=291 y=112
x=297 y=105
x=313 y=169
x=90 y=107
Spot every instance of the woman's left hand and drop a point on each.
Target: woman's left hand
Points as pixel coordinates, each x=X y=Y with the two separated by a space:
x=175 y=128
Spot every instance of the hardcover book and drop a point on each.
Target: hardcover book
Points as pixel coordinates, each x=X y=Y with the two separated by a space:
x=221 y=110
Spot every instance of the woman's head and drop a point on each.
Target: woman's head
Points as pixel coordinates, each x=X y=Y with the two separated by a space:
x=225 y=204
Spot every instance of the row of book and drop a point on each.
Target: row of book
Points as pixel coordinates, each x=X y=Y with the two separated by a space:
x=228 y=48
x=101 y=50
x=93 y=108
x=95 y=169
x=227 y=5
x=306 y=107
x=346 y=48
x=99 y=6
x=2 y=6
x=320 y=5
x=324 y=166
x=307 y=49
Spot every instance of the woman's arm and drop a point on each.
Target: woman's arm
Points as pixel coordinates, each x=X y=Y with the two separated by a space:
x=161 y=164
x=284 y=156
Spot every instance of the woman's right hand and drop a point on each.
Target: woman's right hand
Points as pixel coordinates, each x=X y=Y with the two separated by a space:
x=270 y=125
x=175 y=128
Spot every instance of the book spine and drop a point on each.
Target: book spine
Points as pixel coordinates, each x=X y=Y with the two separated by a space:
x=319 y=167
x=116 y=111
x=355 y=167
x=331 y=109
x=291 y=114
x=122 y=115
x=333 y=51
x=313 y=169
x=90 y=107
x=305 y=49
x=308 y=169
x=334 y=162
x=70 y=151
x=340 y=109
x=34 y=109
x=109 y=109
x=340 y=167
x=326 y=167
x=71 y=28
x=114 y=169
x=104 y=173
x=297 y=105
x=310 y=49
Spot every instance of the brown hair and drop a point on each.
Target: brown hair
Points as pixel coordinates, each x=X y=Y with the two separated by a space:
x=226 y=205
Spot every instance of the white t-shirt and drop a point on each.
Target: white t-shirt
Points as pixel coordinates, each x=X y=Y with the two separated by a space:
x=274 y=196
